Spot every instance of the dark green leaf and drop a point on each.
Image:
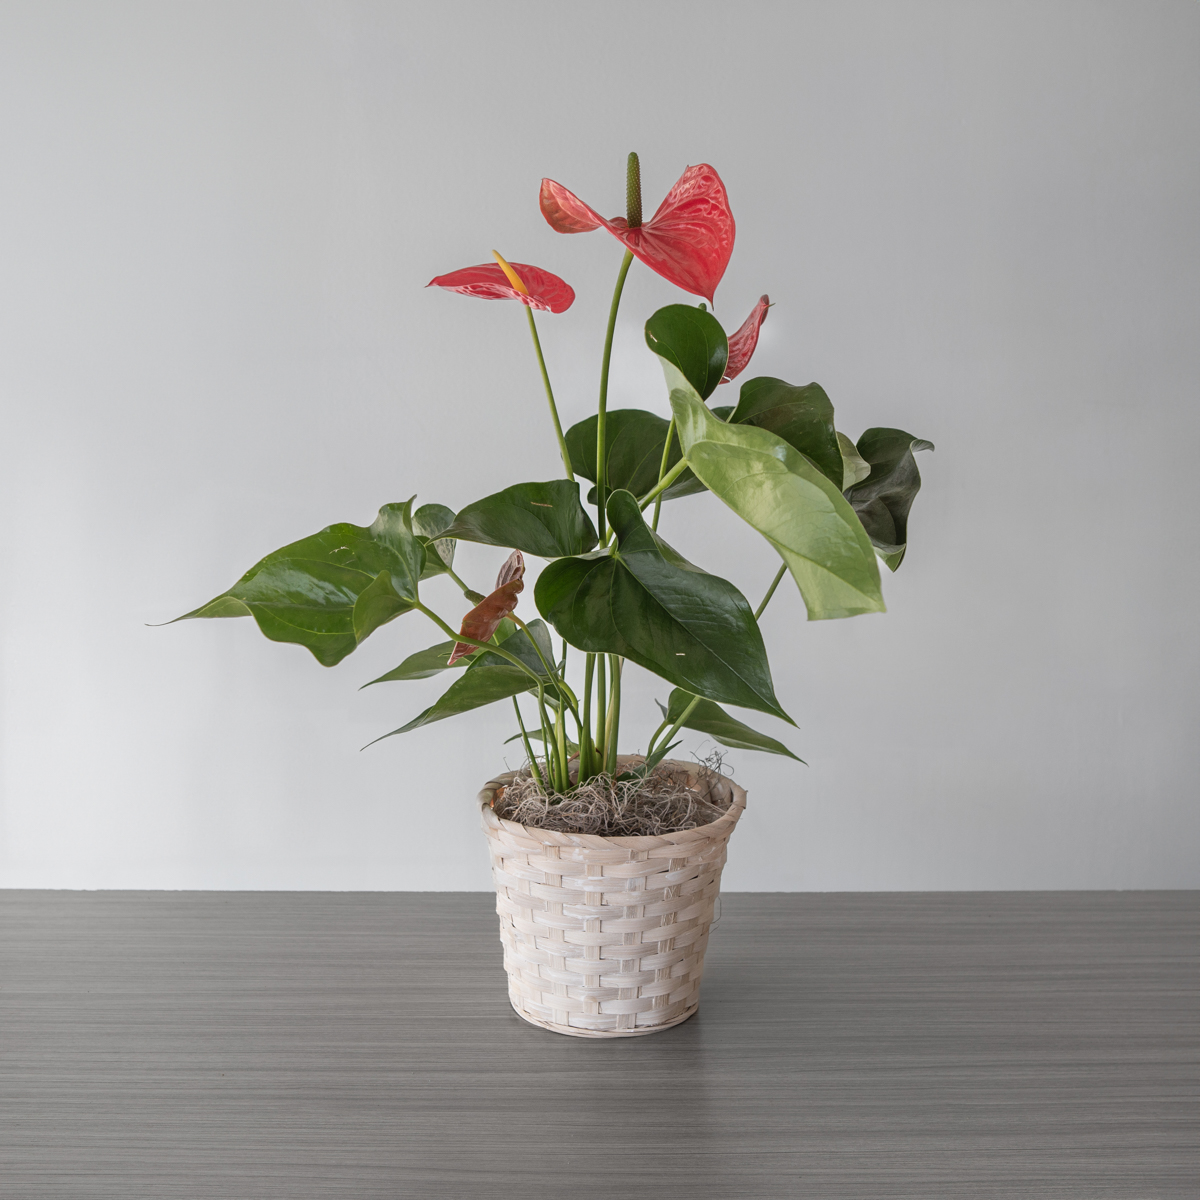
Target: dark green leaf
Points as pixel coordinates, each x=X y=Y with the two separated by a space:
x=475 y=688
x=519 y=646
x=423 y=665
x=489 y=678
x=884 y=498
x=376 y=605
x=712 y=719
x=648 y=604
x=780 y=493
x=545 y=519
x=331 y=591
x=693 y=341
x=435 y=659
x=430 y=521
x=633 y=440
x=801 y=416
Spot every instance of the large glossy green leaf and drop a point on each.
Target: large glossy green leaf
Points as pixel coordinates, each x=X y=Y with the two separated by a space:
x=430 y=521
x=435 y=659
x=712 y=719
x=633 y=446
x=693 y=340
x=780 y=493
x=884 y=498
x=489 y=678
x=646 y=603
x=330 y=591
x=545 y=519
x=801 y=416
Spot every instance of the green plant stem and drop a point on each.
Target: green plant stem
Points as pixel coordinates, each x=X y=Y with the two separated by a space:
x=601 y=709
x=758 y=612
x=562 y=441
x=586 y=746
x=546 y=741
x=613 y=721
x=662 y=470
x=683 y=716
x=558 y=681
x=533 y=766
x=654 y=737
x=602 y=413
x=664 y=483
x=468 y=592
x=561 y=745
x=562 y=668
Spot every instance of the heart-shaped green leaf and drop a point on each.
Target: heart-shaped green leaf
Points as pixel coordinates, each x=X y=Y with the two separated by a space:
x=801 y=416
x=331 y=591
x=884 y=498
x=489 y=678
x=633 y=446
x=780 y=493
x=430 y=521
x=435 y=659
x=545 y=519
x=693 y=340
x=712 y=719
x=646 y=603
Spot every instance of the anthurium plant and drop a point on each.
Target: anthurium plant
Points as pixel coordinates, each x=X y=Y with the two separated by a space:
x=613 y=589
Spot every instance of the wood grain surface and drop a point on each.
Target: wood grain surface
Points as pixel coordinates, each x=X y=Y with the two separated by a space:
x=297 y=1045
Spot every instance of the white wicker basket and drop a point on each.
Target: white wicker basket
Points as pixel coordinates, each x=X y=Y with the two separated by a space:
x=605 y=936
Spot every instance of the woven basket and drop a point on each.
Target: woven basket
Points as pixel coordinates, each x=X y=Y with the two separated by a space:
x=605 y=936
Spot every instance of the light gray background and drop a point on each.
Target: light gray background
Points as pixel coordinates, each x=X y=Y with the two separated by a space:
x=978 y=222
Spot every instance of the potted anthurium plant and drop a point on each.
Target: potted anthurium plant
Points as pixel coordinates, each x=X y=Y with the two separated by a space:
x=607 y=866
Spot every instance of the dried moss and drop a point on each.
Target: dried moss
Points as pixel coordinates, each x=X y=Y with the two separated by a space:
x=663 y=802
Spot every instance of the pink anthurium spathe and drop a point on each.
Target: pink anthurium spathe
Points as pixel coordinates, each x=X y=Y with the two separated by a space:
x=742 y=343
x=490 y=281
x=688 y=240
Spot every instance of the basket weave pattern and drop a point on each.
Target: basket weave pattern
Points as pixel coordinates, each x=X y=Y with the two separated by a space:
x=605 y=936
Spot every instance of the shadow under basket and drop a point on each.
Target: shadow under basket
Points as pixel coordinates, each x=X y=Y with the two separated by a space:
x=605 y=936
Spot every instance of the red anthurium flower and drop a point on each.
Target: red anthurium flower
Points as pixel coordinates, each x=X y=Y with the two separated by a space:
x=688 y=241
x=483 y=620
x=743 y=343
x=490 y=281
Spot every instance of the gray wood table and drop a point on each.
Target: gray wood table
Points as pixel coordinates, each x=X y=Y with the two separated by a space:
x=232 y=1044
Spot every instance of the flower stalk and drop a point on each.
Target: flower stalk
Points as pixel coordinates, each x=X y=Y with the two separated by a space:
x=602 y=412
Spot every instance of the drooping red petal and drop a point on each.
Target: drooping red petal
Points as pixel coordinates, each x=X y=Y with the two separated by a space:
x=742 y=343
x=487 y=281
x=690 y=238
x=688 y=241
x=483 y=620
x=565 y=211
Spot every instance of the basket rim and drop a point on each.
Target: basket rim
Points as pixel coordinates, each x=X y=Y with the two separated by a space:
x=551 y=837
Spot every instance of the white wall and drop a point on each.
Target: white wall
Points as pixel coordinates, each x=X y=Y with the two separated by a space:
x=978 y=221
